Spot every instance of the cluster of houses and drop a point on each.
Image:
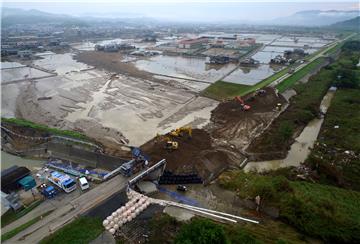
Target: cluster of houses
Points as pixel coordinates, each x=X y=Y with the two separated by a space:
x=210 y=41
x=114 y=47
x=25 y=49
x=289 y=57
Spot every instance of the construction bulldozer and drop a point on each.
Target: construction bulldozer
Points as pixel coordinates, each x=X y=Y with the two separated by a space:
x=181 y=131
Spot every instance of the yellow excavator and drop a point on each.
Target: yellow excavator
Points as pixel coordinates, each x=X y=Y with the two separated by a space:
x=180 y=131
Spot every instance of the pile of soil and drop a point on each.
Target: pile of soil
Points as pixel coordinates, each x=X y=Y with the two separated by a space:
x=194 y=154
x=209 y=152
x=231 y=123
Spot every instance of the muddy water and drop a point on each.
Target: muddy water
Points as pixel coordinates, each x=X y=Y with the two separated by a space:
x=191 y=68
x=61 y=63
x=300 y=149
x=8 y=160
x=20 y=73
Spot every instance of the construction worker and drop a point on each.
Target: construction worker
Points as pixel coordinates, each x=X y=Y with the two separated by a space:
x=257 y=202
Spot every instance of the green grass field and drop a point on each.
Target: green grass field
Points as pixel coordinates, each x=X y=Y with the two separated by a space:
x=225 y=90
x=80 y=231
x=17 y=230
x=290 y=81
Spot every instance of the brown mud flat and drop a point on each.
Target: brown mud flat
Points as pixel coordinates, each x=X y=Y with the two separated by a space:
x=112 y=62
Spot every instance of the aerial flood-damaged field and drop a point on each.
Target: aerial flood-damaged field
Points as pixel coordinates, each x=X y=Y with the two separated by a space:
x=178 y=133
x=106 y=106
x=119 y=98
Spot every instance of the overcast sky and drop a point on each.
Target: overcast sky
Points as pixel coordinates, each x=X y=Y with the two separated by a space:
x=185 y=9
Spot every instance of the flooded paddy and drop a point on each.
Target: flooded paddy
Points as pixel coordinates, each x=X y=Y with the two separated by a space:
x=13 y=71
x=182 y=67
x=260 y=38
x=265 y=57
x=8 y=65
x=251 y=75
x=301 y=148
x=61 y=63
x=104 y=107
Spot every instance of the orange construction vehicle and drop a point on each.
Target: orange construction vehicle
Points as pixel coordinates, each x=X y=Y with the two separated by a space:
x=244 y=106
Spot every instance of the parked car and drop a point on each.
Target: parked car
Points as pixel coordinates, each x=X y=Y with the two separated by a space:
x=84 y=184
x=181 y=188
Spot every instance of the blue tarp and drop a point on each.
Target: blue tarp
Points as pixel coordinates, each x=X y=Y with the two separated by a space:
x=27 y=183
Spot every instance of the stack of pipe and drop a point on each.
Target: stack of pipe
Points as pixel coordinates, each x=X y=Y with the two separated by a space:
x=136 y=204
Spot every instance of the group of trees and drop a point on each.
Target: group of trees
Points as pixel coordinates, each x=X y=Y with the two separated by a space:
x=347 y=71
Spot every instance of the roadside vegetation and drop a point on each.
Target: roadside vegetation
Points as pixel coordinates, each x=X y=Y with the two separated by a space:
x=44 y=128
x=166 y=229
x=10 y=216
x=298 y=75
x=81 y=230
x=321 y=211
x=22 y=227
x=225 y=90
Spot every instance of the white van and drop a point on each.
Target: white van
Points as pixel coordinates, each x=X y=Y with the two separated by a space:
x=84 y=184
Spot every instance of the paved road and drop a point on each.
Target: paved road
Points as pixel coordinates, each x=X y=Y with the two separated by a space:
x=66 y=213
x=46 y=206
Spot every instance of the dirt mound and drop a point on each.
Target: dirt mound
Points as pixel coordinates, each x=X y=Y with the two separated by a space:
x=231 y=124
x=194 y=154
x=231 y=110
x=231 y=128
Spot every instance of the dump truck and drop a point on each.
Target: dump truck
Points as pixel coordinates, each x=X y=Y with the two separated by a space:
x=133 y=166
x=63 y=181
x=47 y=191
